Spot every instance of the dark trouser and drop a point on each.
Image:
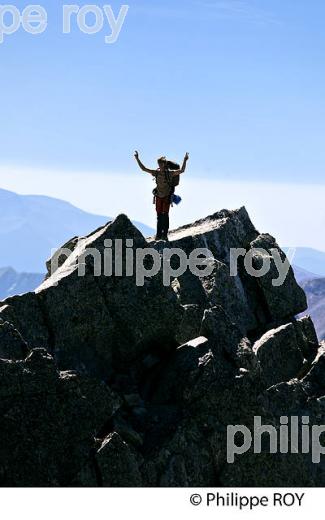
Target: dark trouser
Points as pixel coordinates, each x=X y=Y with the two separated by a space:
x=162 y=208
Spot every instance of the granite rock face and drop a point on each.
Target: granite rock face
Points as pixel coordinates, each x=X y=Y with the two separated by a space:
x=12 y=345
x=106 y=381
x=48 y=420
x=94 y=323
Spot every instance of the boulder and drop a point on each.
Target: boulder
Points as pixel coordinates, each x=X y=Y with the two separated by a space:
x=226 y=336
x=12 y=345
x=314 y=381
x=217 y=233
x=180 y=463
x=279 y=355
x=118 y=466
x=27 y=315
x=307 y=337
x=278 y=301
x=191 y=323
x=48 y=421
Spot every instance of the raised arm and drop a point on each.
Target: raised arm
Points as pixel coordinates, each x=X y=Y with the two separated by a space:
x=183 y=168
x=142 y=166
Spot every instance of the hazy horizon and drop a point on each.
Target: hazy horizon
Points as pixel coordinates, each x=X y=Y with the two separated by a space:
x=102 y=194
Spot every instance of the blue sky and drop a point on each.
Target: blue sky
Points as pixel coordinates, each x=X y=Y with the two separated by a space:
x=238 y=84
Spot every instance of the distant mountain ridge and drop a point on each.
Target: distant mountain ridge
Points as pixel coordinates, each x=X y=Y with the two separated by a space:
x=32 y=225
x=313 y=284
x=309 y=259
x=302 y=275
x=315 y=291
x=12 y=283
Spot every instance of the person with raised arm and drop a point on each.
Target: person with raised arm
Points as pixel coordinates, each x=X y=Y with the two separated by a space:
x=167 y=178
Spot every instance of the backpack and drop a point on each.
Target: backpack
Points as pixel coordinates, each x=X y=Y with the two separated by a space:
x=172 y=181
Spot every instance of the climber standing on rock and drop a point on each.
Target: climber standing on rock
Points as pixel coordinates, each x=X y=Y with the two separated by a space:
x=167 y=178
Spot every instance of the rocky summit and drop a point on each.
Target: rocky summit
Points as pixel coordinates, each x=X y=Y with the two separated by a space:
x=105 y=382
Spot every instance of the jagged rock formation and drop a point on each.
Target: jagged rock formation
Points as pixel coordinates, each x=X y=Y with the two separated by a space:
x=107 y=383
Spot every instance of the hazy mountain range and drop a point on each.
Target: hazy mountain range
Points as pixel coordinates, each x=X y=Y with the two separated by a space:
x=310 y=260
x=32 y=225
x=302 y=275
x=12 y=283
x=315 y=290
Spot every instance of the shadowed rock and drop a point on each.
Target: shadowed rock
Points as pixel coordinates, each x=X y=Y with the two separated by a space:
x=12 y=345
x=94 y=322
x=48 y=421
x=108 y=382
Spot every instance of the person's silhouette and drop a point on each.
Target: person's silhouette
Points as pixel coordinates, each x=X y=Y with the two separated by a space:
x=163 y=192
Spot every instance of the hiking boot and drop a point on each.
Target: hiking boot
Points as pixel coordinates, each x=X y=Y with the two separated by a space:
x=165 y=226
x=159 y=227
